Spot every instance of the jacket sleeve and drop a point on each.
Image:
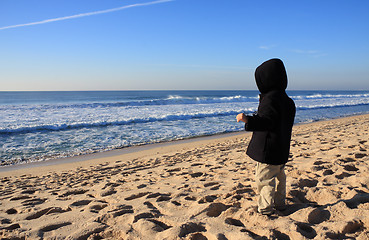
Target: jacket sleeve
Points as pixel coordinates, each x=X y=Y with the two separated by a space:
x=265 y=119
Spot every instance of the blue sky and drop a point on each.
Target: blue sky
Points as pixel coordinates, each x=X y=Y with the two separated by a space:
x=181 y=44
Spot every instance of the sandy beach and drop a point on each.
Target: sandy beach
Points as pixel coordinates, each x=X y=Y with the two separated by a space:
x=199 y=189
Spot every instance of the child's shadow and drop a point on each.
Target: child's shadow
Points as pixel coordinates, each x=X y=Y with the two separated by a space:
x=299 y=202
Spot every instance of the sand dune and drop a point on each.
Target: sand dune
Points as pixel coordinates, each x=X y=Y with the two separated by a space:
x=201 y=190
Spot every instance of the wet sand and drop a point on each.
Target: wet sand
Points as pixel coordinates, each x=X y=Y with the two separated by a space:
x=200 y=189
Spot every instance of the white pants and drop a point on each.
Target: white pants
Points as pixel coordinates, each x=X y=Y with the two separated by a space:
x=271 y=195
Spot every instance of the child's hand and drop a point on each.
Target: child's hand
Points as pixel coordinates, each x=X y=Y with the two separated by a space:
x=241 y=117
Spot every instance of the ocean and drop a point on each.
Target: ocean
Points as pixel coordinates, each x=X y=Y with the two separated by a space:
x=37 y=126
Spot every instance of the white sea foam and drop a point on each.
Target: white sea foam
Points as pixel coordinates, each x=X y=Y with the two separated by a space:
x=327 y=96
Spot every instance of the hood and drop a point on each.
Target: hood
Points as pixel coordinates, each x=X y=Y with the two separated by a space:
x=271 y=75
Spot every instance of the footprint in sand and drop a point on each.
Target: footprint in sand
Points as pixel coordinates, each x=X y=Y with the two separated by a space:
x=164 y=197
x=12 y=211
x=148 y=228
x=153 y=195
x=11 y=227
x=22 y=197
x=347 y=160
x=318 y=165
x=234 y=222
x=121 y=210
x=176 y=203
x=46 y=211
x=174 y=170
x=197 y=236
x=52 y=227
x=328 y=172
x=279 y=235
x=206 y=199
x=143 y=216
x=359 y=198
x=160 y=224
x=80 y=203
x=305 y=230
x=161 y=197
x=108 y=192
x=5 y=221
x=190 y=198
x=152 y=208
x=360 y=155
x=352 y=226
x=215 y=209
x=213 y=185
x=189 y=228
x=135 y=196
x=29 y=191
x=73 y=192
x=307 y=183
x=221 y=236
x=196 y=174
x=97 y=207
x=348 y=227
x=33 y=202
x=215 y=188
x=141 y=186
x=343 y=175
x=298 y=196
x=318 y=216
x=351 y=168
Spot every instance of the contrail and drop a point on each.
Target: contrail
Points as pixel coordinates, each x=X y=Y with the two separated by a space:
x=85 y=14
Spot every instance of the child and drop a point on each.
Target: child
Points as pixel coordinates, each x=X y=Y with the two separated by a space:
x=270 y=142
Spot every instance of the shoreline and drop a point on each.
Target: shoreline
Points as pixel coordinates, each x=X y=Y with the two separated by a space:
x=119 y=152
x=135 y=150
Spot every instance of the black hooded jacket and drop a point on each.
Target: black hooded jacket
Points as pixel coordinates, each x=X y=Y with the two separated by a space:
x=272 y=124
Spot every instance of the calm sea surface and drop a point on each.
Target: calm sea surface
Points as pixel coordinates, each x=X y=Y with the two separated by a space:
x=38 y=126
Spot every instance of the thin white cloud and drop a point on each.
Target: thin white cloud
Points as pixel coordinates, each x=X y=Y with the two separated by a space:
x=85 y=14
x=312 y=53
x=305 y=51
x=267 y=47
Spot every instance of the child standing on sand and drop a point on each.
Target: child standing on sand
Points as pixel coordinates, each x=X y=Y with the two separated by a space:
x=272 y=128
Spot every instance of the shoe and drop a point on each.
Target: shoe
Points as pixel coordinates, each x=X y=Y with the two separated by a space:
x=267 y=213
x=281 y=208
x=271 y=215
